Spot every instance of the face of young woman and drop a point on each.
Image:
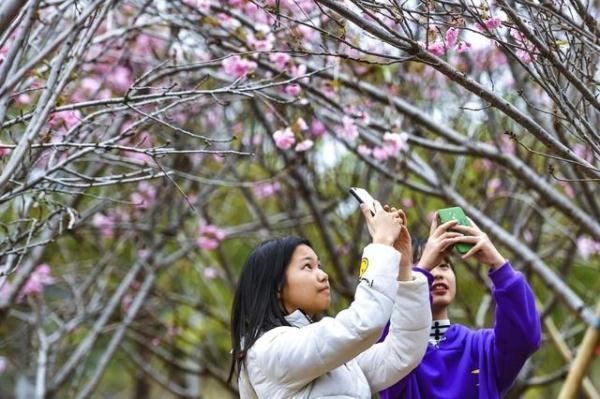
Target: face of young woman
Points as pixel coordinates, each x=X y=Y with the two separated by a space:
x=443 y=289
x=306 y=286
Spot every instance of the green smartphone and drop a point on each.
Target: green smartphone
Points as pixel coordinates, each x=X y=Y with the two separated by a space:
x=455 y=213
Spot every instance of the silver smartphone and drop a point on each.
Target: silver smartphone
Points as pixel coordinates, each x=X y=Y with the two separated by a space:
x=363 y=197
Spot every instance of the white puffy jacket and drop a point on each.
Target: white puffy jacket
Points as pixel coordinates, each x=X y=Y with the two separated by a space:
x=338 y=357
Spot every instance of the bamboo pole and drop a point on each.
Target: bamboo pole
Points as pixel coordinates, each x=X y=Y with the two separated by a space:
x=582 y=360
x=588 y=388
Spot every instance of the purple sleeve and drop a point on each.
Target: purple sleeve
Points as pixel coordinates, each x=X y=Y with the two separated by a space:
x=395 y=391
x=517 y=329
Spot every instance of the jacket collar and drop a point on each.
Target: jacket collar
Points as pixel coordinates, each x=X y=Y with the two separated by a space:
x=298 y=319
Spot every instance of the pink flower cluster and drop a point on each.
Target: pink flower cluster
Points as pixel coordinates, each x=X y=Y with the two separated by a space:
x=317 y=128
x=284 y=139
x=347 y=130
x=210 y=273
x=494 y=187
x=439 y=47
x=527 y=53
x=588 y=247
x=304 y=145
x=210 y=236
x=35 y=283
x=393 y=143
x=489 y=24
x=238 y=66
x=64 y=120
x=202 y=5
x=106 y=223
x=261 y=44
x=265 y=190
x=280 y=60
x=4 y=151
x=144 y=196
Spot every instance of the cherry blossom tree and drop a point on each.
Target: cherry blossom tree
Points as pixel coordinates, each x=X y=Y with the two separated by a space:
x=147 y=146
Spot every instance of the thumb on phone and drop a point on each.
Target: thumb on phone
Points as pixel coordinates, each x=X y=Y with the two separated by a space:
x=434 y=224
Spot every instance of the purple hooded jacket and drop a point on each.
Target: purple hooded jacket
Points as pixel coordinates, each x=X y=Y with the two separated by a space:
x=483 y=363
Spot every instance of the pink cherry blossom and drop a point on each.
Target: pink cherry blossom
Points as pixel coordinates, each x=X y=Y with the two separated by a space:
x=395 y=142
x=587 y=247
x=436 y=48
x=494 y=186
x=23 y=99
x=507 y=145
x=210 y=236
x=451 y=37
x=144 y=196
x=284 y=139
x=293 y=90
x=121 y=78
x=301 y=124
x=317 y=128
x=580 y=150
x=380 y=153
x=265 y=190
x=329 y=90
x=304 y=145
x=407 y=203
x=364 y=150
x=462 y=47
x=489 y=24
x=525 y=56
x=64 y=119
x=237 y=66
x=202 y=5
x=348 y=129
x=210 y=273
x=36 y=282
x=4 y=151
x=567 y=188
x=104 y=223
x=207 y=243
x=262 y=44
x=298 y=71
x=280 y=59
x=517 y=35
x=212 y=230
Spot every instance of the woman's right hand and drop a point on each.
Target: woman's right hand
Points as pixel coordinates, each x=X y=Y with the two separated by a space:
x=384 y=227
x=440 y=241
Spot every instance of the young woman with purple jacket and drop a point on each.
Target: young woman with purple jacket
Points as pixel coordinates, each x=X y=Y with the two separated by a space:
x=460 y=362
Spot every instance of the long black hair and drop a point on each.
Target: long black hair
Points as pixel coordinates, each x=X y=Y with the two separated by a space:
x=256 y=305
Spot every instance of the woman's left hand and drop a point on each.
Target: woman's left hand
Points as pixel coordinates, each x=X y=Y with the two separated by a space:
x=403 y=243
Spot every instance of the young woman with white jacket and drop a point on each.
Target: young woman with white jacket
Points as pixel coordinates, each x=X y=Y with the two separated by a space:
x=279 y=352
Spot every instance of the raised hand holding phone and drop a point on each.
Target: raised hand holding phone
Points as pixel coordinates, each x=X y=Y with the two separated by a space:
x=384 y=227
x=455 y=213
x=403 y=244
x=439 y=243
x=482 y=247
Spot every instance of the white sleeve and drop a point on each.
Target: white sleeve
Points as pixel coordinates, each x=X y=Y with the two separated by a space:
x=296 y=356
x=389 y=361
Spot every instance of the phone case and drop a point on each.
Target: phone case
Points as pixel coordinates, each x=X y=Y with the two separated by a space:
x=363 y=196
x=455 y=213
